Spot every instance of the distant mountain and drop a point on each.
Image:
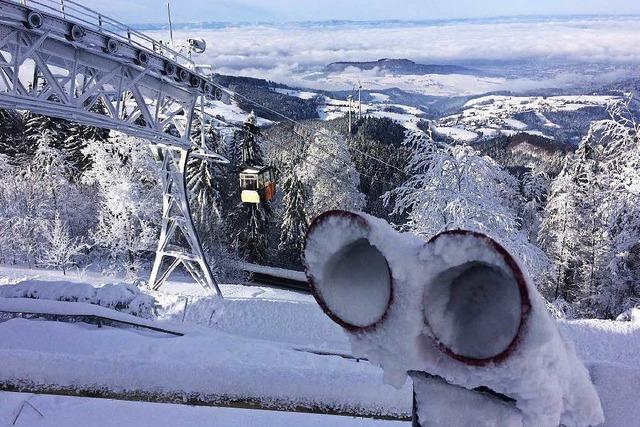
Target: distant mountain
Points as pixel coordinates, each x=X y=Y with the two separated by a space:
x=402 y=67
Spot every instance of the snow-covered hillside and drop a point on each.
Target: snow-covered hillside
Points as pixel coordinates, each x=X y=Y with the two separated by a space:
x=492 y=115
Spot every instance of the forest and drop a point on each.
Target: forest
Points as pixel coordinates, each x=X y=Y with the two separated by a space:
x=77 y=197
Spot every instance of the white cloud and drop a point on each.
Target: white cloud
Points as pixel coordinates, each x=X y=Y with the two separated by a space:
x=292 y=53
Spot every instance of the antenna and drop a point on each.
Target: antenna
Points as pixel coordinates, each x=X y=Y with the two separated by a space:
x=170 y=24
x=359 y=100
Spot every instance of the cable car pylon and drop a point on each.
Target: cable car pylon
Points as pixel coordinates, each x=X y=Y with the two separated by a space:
x=179 y=242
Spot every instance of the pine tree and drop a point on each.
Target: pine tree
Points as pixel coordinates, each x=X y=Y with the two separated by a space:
x=11 y=129
x=573 y=232
x=36 y=125
x=294 y=221
x=452 y=187
x=77 y=136
x=619 y=285
x=329 y=174
x=249 y=222
x=203 y=182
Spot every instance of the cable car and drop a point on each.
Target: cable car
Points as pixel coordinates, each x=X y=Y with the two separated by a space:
x=258 y=184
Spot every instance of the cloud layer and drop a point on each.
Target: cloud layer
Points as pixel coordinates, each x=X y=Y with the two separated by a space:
x=296 y=53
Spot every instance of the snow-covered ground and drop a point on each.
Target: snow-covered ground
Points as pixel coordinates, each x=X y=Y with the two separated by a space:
x=22 y=409
x=488 y=116
x=260 y=344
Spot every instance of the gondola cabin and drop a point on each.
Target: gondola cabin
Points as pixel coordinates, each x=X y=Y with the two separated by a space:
x=258 y=184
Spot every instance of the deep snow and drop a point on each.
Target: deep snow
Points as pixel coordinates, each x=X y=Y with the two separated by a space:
x=258 y=347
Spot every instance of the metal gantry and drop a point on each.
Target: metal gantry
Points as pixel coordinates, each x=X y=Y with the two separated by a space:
x=61 y=59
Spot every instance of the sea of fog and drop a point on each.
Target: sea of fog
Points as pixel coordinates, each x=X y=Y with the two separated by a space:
x=517 y=53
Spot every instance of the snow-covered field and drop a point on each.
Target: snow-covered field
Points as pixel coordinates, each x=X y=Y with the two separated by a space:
x=488 y=116
x=259 y=345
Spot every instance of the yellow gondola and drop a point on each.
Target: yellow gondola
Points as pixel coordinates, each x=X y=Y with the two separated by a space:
x=258 y=184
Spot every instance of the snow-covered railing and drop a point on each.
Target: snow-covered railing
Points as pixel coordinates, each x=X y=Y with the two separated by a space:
x=90 y=19
x=460 y=307
x=77 y=311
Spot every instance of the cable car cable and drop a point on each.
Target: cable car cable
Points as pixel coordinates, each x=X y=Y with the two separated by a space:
x=231 y=93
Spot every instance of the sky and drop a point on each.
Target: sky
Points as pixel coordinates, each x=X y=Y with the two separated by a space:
x=184 y=11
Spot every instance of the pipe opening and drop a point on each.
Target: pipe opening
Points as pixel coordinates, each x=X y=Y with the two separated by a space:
x=474 y=310
x=356 y=284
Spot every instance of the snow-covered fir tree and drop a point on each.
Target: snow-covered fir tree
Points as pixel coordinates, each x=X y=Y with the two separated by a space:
x=329 y=174
x=11 y=134
x=294 y=219
x=249 y=222
x=535 y=189
x=619 y=288
x=36 y=125
x=204 y=183
x=451 y=187
x=77 y=136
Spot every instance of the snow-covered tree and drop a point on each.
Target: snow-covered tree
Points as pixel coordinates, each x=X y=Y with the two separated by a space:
x=294 y=220
x=535 y=189
x=36 y=125
x=248 y=222
x=61 y=248
x=330 y=176
x=619 y=287
x=11 y=138
x=126 y=178
x=78 y=135
x=452 y=187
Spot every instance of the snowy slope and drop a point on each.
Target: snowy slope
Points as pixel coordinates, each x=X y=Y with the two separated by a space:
x=488 y=116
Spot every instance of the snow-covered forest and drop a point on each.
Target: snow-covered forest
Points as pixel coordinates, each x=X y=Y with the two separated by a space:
x=76 y=197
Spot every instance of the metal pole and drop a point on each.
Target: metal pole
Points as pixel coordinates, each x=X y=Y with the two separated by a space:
x=350 y=99
x=170 y=24
x=359 y=101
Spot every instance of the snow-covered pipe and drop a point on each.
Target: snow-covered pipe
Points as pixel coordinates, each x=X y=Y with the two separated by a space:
x=349 y=276
x=476 y=309
x=459 y=306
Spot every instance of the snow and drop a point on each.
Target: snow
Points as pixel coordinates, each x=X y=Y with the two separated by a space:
x=259 y=345
x=457 y=133
x=379 y=97
x=516 y=124
x=81 y=411
x=545 y=121
x=35 y=306
x=297 y=93
x=433 y=398
x=121 y=296
x=273 y=271
x=486 y=114
x=331 y=108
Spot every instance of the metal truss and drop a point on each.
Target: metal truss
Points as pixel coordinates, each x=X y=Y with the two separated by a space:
x=75 y=64
x=179 y=242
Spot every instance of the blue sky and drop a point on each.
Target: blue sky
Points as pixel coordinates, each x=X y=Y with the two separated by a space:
x=154 y=11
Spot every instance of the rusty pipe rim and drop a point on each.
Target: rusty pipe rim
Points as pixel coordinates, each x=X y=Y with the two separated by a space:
x=523 y=290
